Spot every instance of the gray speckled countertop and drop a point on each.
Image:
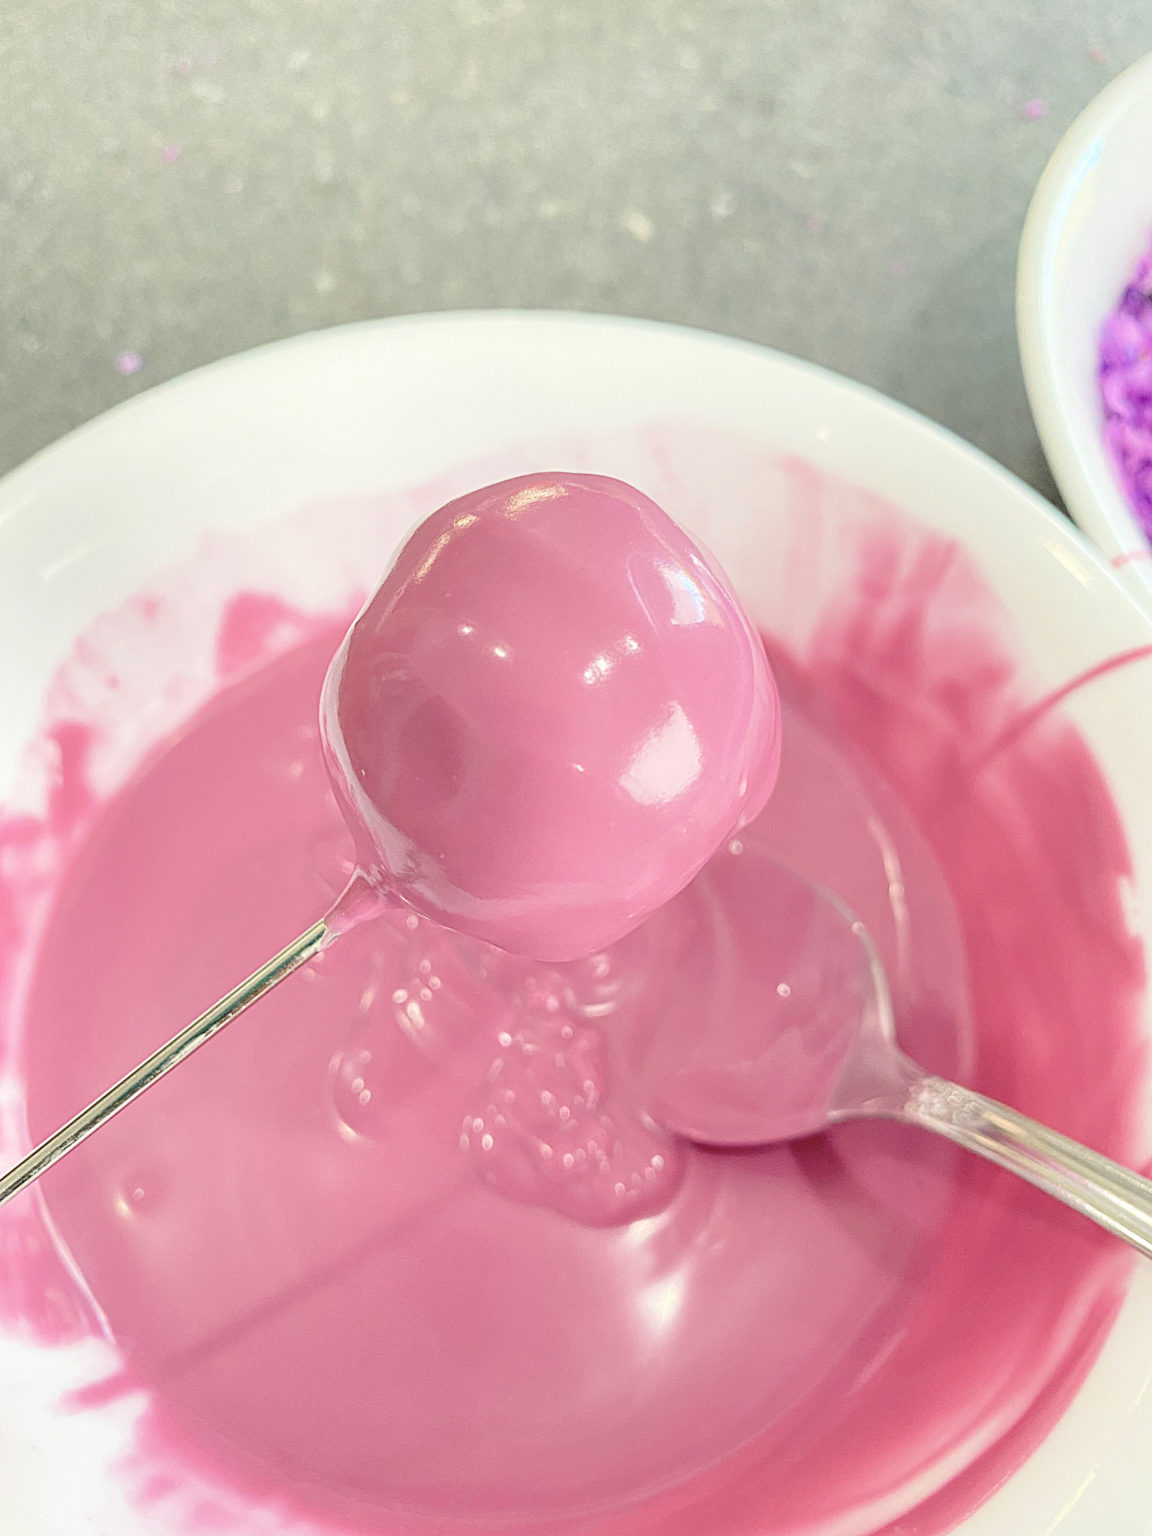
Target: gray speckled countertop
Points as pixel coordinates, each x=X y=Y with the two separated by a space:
x=844 y=179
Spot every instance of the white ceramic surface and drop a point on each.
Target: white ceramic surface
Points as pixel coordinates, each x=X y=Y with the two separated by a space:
x=386 y=405
x=1089 y=223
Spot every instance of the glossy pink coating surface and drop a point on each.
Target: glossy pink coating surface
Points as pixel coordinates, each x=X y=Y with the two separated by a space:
x=549 y=715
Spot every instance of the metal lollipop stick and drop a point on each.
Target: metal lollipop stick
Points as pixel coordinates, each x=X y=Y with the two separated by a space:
x=181 y=1046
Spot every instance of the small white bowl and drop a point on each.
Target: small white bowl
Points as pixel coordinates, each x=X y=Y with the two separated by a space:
x=1089 y=223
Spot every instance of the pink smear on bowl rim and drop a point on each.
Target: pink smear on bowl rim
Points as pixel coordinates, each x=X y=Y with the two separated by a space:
x=1126 y=388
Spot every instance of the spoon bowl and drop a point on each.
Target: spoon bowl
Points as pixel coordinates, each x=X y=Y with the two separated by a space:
x=815 y=1045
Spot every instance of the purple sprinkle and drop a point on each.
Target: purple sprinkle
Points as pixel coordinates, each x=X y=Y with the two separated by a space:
x=129 y=362
x=1122 y=339
x=1033 y=110
x=1125 y=374
x=171 y=152
x=1114 y=388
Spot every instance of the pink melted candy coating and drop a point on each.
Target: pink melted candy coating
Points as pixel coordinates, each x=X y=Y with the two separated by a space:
x=551 y=658
x=403 y=1254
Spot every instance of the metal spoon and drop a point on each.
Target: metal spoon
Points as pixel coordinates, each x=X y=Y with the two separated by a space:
x=821 y=1049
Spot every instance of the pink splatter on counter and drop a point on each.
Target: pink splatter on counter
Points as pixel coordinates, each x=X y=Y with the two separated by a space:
x=1126 y=389
x=353 y=1265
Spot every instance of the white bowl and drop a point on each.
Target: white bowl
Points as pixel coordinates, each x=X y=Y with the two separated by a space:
x=349 y=413
x=1089 y=223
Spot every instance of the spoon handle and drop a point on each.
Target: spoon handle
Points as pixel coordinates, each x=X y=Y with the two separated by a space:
x=190 y=1039
x=1109 y=1194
